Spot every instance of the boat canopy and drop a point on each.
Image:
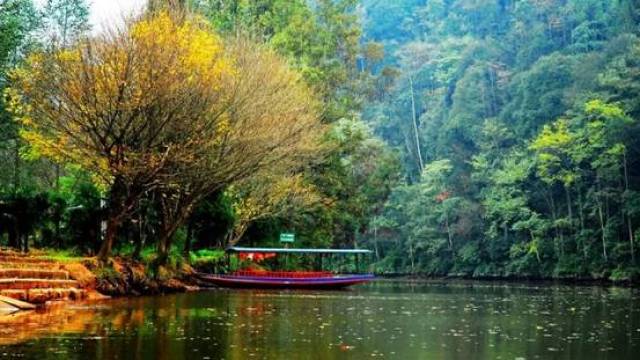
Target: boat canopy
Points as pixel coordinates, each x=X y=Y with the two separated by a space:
x=239 y=249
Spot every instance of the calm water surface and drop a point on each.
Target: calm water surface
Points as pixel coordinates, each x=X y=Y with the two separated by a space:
x=388 y=319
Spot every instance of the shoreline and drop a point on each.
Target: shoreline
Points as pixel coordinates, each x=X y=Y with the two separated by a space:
x=124 y=277
x=514 y=280
x=191 y=283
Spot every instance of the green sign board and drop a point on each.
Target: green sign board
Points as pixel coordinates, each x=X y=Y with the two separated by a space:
x=287 y=237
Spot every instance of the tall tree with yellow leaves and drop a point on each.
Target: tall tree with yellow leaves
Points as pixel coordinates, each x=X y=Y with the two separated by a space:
x=126 y=106
x=271 y=128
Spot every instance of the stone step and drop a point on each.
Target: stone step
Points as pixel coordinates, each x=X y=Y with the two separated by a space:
x=18 y=304
x=31 y=273
x=7 y=252
x=20 y=284
x=32 y=265
x=42 y=295
x=24 y=259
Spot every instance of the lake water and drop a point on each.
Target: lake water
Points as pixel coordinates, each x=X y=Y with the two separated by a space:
x=388 y=319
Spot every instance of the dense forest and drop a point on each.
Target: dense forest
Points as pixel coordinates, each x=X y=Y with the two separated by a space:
x=516 y=121
x=483 y=138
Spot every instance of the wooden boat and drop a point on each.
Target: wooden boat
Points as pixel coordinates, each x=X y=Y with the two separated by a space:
x=288 y=279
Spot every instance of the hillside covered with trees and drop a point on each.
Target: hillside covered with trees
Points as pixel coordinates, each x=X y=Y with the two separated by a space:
x=483 y=138
x=517 y=124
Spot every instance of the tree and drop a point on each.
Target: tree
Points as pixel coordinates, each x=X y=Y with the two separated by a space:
x=540 y=184
x=604 y=134
x=267 y=196
x=555 y=147
x=18 y=20
x=124 y=105
x=271 y=124
x=321 y=41
x=65 y=21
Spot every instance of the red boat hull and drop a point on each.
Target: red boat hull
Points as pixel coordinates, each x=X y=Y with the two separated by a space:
x=239 y=281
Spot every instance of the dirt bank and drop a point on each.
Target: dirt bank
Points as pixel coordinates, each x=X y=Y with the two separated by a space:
x=122 y=277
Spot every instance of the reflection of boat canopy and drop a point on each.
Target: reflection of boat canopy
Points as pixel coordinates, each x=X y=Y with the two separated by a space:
x=238 y=249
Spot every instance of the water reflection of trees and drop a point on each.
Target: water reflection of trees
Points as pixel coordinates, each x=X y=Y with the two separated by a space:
x=165 y=327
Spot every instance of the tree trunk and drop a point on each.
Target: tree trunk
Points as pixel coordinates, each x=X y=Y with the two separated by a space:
x=415 y=127
x=57 y=232
x=558 y=238
x=14 y=234
x=446 y=222
x=505 y=230
x=174 y=215
x=537 y=252
x=375 y=239
x=355 y=239
x=601 y=218
x=164 y=244
x=569 y=206
x=57 y=176
x=581 y=214
x=16 y=167
x=411 y=257
x=113 y=224
x=631 y=239
x=602 y=231
x=25 y=243
x=187 y=241
x=122 y=198
x=236 y=234
x=139 y=240
x=629 y=221
x=169 y=229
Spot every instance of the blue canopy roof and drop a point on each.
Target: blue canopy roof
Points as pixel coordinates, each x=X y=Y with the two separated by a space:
x=297 y=251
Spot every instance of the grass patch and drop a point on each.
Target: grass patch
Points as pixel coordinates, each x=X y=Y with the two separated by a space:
x=60 y=255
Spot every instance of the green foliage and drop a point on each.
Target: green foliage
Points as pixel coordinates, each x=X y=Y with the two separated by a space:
x=65 y=20
x=205 y=255
x=526 y=115
x=206 y=260
x=211 y=221
x=322 y=41
x=474 y=138
x=17 y=19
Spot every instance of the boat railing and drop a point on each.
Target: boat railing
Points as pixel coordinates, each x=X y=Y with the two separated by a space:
x=284 y=274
